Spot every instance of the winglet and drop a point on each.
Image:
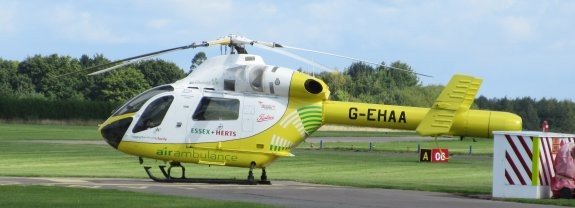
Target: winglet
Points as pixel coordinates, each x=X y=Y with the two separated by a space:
x=457 y=96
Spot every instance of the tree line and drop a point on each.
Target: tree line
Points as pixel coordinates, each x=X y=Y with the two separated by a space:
x=364 y=83
x=55 y=87
x=559 y=114
x=55 y=77
x=389 y=85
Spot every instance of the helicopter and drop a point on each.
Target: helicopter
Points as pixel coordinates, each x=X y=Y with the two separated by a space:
x=236 y=110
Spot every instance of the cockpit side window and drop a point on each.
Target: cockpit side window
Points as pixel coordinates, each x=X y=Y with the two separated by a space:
x=154 y=114
x=212 y=108
x=136 y=103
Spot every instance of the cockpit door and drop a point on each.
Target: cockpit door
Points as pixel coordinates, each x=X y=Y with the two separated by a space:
x=150 y=120
x=153 y=115
x=162 y=120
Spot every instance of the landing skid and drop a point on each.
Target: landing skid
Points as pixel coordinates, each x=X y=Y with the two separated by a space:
x=168 y=178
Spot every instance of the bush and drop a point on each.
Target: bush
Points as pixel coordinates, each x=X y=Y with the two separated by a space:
x=40 y=109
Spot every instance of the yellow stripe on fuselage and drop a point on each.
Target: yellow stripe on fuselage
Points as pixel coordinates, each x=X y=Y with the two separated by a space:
x=114 y=119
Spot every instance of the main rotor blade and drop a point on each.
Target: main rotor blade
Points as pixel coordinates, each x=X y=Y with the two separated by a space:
x=113 y=65
x=347 y=57
x=291 y=55
x=126 y=61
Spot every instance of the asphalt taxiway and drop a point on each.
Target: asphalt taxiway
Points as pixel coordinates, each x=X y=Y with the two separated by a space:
x=280 y=193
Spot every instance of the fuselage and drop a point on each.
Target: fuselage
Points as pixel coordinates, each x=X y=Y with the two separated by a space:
x=235 y=110
x=232 y=110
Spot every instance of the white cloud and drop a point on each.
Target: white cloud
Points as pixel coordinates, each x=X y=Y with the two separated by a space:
x=81 y=25
x=517 y=28
x=326 y=10
x=562 y=44
x=203 y=13
x=159 y=23
x=7 y=18
x=485 y=6
x=267 y=8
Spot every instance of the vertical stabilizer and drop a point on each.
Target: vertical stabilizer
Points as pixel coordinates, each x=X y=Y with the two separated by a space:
x=457 y=97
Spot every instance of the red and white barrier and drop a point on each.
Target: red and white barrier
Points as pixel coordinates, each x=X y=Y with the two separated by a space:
x=523 y=163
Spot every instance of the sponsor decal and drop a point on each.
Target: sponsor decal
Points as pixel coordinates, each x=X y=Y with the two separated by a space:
x=219 y=131
x=154 y=138
x=265 y=117
x=205 y=155
x=266 y=106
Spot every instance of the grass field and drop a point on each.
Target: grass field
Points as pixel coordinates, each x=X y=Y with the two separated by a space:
x=363 y=134
x=28 y=151
x=48 y=196
x=36 y=150
x=376 y=169
x=482 y=146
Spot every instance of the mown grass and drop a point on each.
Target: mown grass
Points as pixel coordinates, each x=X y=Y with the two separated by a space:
x=47 y=132
x=363 y=134
x=51 y=196
x=23 y=153
x=480 y=146
x=463 y=174
x=365 y=169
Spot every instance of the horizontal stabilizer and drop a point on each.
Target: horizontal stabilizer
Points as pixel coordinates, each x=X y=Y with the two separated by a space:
x=457 y=96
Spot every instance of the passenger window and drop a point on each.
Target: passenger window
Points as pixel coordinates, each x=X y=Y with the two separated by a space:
x=211 y=108
x=154 y=114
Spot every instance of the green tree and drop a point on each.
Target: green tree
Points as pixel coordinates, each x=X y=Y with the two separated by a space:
x=482 y=102
x=87 y=61
x=359 y=69
x=91 y=83
x=417 y=96
x=159 y=72
x=559 y=114
x=526 y=109
x=337 y=82
x=8 y=69
x=122 y=84
x=341 y=95
x=364 y=84
x=198 y=59
x=22 y=87
x=565 y=116
x=44 y=74
x=401 y=75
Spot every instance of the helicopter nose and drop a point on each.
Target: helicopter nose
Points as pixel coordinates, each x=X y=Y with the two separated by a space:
x=114 y=131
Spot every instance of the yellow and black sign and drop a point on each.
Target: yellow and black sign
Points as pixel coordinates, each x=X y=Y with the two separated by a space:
x=425 y=155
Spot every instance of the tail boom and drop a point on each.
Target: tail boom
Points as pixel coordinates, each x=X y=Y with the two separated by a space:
x=471 y=123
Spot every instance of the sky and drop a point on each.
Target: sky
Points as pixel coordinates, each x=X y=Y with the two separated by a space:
x=519 y=48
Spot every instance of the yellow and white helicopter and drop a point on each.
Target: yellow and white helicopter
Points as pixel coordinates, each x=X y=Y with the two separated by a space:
x=236 y=110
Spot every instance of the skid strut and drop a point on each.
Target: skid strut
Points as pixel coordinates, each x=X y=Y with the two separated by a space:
x=169 y=178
